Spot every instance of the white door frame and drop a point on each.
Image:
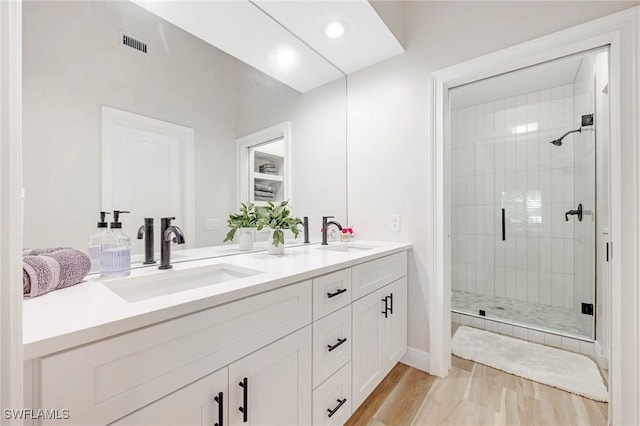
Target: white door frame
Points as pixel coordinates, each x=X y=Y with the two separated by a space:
x=620 y=32
x=11 y=362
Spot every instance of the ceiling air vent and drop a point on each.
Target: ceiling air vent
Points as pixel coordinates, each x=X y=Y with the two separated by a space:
x=133 y=43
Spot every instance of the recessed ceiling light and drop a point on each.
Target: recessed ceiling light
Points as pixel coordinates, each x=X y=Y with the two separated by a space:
x=286 y=57
x=335 y=29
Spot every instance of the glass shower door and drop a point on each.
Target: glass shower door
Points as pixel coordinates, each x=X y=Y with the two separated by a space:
x=522 y=157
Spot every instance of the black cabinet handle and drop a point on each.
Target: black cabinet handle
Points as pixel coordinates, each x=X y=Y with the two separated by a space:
x=219 y=399
x=503 y=227
x=244 y=384
x=386 y=307
x=339 y=291
x=340 y=341
x=340 y=402
x=391 y=303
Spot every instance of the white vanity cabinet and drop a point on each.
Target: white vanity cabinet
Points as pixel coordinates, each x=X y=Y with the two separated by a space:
x=268 y=387
x=379 y=336
x=301 y=354
x=104 y=381
x=373 y=327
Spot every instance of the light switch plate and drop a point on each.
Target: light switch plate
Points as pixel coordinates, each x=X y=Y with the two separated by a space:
x=394 y=224
x=212 y=224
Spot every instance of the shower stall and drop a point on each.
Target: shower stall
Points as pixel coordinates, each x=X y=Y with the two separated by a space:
x=523 y=196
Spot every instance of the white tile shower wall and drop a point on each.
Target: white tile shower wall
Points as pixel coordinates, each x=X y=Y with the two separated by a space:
x=502 y=158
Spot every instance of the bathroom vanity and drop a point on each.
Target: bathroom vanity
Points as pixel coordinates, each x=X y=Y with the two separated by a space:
x=302 y=338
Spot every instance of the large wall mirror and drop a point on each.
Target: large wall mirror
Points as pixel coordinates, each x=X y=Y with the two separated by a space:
x=81 y=83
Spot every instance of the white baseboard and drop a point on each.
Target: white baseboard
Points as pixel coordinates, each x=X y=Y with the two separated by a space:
x=601 y=358
x=417 y=359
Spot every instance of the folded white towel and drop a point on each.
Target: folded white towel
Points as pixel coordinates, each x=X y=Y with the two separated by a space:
x=264 y=194
x=263 y=188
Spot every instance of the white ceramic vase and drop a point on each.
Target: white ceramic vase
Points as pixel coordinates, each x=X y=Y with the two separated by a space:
x=245 y=238
x=279 y=249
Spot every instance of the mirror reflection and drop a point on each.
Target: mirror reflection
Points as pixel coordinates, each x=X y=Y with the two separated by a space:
x=125 y=111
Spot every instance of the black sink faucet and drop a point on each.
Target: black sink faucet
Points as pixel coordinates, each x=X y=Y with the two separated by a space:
x=146 y=232
x=305 y=225
x=325 y=226
x=166 y=230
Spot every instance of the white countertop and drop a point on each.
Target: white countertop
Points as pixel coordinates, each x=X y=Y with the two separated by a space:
x=90 y=311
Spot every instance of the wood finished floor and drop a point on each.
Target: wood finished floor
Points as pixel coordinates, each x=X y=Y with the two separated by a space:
x=472 y=394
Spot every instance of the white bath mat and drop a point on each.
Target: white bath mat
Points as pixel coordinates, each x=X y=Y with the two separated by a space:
x=554 y=367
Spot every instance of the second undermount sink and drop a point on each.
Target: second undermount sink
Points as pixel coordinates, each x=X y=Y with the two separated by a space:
x=346 y=247
x=162 y=283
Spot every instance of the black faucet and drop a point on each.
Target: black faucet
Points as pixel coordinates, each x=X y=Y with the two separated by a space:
x=166 y=229
x=305 y=225
x=146 y=232
x=325 y=226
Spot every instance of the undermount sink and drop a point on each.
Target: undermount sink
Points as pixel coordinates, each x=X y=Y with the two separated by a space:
x=346 y=247
x=162 y=283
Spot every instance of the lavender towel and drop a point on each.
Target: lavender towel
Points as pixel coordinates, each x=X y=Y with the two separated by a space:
x=52 y=269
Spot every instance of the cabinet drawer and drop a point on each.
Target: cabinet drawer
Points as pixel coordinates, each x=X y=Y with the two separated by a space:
x=375 y=274
x=331 y=292
x=104 y=381
x=331 y=344
x=331 y=394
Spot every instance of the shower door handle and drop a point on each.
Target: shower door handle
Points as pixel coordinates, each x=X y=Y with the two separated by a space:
x=503 y=226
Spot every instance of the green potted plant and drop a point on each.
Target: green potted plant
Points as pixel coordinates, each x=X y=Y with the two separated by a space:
x=244 y=224
x=278 y=218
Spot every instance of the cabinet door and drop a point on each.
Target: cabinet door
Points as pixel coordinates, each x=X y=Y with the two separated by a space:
x=367 y=362
x=196 y=404
x=394 y=326
x=273 y=385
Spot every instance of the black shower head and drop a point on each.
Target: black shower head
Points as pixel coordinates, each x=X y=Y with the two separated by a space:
x=558 y=142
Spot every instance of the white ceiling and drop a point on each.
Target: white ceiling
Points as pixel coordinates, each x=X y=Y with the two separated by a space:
x=243 y=30
x=527 y=80
x=367 y=41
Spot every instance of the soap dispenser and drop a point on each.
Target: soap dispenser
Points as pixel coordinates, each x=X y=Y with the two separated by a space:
x=95 y=241
x=115 y=250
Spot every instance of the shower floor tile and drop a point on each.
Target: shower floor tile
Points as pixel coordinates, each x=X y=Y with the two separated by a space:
x=546 y=317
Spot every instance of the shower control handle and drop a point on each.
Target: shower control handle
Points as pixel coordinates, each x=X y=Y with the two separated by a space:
x=577 y=212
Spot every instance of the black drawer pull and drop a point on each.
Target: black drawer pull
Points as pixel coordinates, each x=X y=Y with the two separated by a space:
x=390 y=303
x=340 y=341
x=219 y=399
x=339 y=291
x=244 y=408
x=386 y=307
x=340 y=402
